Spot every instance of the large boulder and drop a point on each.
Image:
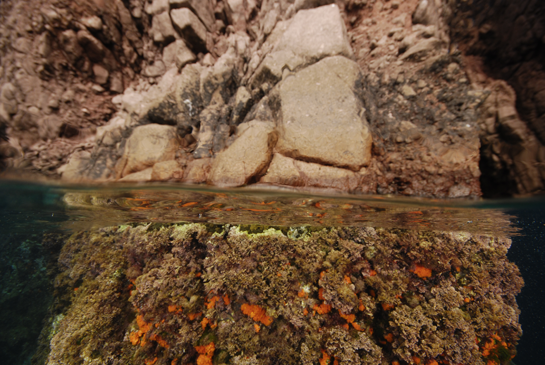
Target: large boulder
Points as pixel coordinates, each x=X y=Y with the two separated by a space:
x=289 y=172
x=312 y=35
x=248 y=156
x=179 y=104
x=316 y=33
x=322 y=115
x=147 y=145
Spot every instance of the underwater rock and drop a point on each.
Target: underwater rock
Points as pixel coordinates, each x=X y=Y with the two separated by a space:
x=194 y=293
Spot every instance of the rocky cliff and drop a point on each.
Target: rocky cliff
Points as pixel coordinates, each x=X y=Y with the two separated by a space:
x=359 y=96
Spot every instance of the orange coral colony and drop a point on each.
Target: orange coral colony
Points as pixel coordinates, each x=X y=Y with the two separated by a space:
x=422 y=272
x=256 y=313
x=322 y=308
x=205 y=354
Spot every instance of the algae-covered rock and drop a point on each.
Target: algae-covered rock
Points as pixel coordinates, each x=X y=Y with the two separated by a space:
x=211 y=294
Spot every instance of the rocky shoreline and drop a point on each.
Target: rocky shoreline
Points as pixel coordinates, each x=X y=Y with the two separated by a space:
x=357 y=96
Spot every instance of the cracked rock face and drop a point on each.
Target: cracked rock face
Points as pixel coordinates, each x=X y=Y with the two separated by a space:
x=323 y=117
x=369 y=91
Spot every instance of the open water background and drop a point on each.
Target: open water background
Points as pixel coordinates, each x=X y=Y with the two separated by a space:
x=28 y=210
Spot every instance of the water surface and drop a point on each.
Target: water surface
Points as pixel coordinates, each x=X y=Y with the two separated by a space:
x=28 y=210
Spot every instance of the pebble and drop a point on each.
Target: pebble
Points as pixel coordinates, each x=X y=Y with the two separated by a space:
x=408 y=91
x=53 y=103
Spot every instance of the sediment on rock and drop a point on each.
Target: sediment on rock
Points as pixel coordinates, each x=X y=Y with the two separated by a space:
x=187 y=293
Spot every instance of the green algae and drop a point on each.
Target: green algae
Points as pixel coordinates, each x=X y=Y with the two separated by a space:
x=158 y=291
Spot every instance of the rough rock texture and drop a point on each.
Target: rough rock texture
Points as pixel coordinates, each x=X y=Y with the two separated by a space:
x=248 y=156
x=207 y=66
x=289 y=172
x=323 y=117
x=259 y=295
x=516 y=158
x=166 y=171
x=316 y=33
x=146 y=146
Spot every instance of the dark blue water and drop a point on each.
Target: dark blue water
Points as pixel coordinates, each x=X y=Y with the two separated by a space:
x=28 y=211
x=528 y=252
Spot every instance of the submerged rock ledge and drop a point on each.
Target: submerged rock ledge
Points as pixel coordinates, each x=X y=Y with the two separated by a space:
x=209 y=294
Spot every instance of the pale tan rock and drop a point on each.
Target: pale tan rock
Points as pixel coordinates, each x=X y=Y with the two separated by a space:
x=322 y=118
x=190 y=27
x=167 y=170
x=287 y=171
x=156 y=7
x=197 y=171
x=248 y=156
x=202 y=8
x=316 y=33
x=147 y=145
x=140 y=176
x=93 y=23
x=161 y=28
x=101 y=74
x=76 y=167
x=177 y=54
x=422 y=49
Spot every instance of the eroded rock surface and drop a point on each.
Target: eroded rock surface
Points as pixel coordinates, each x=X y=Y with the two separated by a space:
x=146 y=146
x=370 y=88
x=248 y=156
x=323 y=116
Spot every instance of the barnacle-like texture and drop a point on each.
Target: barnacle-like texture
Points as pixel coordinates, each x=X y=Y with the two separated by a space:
x=93 y=328
x=352 y=348
x=191 y=293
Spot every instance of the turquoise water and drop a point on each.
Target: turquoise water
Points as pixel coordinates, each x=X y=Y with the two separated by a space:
x=29 y=210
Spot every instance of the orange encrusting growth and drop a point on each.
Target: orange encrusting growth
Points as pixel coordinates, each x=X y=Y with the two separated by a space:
x=204 y=322
x=361 y=307
x=322 y=308
x=387 y=306
x=321 y=293
x=422 y=272
x=226 y=299
x=192 y=316
x=143 y=328
x=325 y=358
x=389 y=337
x=175 y=309
x=150 y=362
x=212 y=302
x=357 y=327
x=159 y=340
x=349 y=317
x=205 y=354
x=256 y=313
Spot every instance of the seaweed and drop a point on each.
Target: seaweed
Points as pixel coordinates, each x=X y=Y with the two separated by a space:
x=193 y=293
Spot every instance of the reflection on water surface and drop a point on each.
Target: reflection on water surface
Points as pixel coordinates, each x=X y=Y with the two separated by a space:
x=27 y=208
x=76 y=208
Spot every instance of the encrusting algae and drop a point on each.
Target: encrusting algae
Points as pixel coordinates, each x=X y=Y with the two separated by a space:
x=210 y=295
